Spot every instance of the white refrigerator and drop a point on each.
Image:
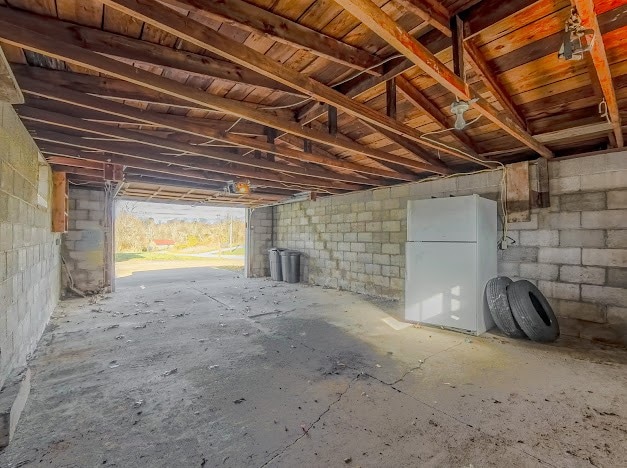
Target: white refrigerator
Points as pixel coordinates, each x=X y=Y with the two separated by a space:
x=450 y=256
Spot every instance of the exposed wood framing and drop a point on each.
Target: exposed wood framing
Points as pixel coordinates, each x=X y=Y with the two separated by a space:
x=164 y=18
x=237 y=163
x=254 y=19
x=518 y=194
x=59 y=144
x=182 y=124
x=141 y=52
x=371 y=15
x=586 y=10
x=59 y=206
x=457 y=32
x=390 y=98
x=31 y=40
x=432 y=11
x=481 y=67
x=419 y=100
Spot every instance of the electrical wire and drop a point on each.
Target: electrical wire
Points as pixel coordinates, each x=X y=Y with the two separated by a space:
x=503 y=183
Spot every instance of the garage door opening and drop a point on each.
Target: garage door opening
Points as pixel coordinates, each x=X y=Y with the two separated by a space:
x=160 y=236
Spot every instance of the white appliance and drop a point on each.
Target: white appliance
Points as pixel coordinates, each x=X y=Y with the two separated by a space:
x=450 y=256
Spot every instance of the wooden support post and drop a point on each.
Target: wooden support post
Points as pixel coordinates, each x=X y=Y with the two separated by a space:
x=271 y=135
x=113 y=172
x=332 y=120
x=390 y=98
x=60 y=202
x=457 y=30
x=518 y=194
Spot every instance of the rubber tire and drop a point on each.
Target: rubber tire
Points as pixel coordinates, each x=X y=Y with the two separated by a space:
x=498 y=304
x=528 y=317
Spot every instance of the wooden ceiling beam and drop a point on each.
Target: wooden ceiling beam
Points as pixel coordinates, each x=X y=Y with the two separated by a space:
x=57 y=144
x=142 y=52
x=371 y=15
x=586 y=11
x=432 y=11
x=156 y=178
x=254 y=19
x=30 y=39
x=67 y=161
x=481 y=67
x=487 y=13
x=236 y=161
x=420 y=101
x=159 y=16
x=435 y=41
x=181 y=124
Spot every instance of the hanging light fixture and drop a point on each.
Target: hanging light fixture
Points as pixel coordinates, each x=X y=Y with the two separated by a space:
x=458 y=108
x=576 y=39
x=240 y=188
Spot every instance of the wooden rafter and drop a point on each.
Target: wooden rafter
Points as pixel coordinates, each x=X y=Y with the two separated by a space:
x=190 y=126
x=236 y=162
x=481 y=67
x=141 y=52
x=432 y=11
x=152 y=12
x=420 y=101
x=371 y=15
x=60 y=144
x=32 y=40
x=586 y=11
x=257 y=20
x=178 y=168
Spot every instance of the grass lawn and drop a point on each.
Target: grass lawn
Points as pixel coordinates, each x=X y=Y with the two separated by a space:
x=161 y=256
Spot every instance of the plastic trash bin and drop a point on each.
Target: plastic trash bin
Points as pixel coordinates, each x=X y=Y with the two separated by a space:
x=275 y=264
x=290 y=266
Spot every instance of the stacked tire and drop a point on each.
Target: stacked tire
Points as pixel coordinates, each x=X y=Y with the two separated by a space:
x=520 y=310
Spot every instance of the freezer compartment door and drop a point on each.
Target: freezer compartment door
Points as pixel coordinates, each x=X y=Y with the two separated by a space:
x=441 y=284
x=442 y=219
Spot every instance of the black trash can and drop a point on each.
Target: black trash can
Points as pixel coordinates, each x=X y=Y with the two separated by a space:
x=290 y=266
x=275 y=264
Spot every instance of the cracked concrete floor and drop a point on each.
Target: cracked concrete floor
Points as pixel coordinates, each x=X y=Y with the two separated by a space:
x=200 y=367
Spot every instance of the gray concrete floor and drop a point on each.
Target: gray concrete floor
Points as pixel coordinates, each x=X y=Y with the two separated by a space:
x=201 y=368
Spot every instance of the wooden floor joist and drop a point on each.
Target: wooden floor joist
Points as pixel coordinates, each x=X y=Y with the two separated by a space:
x=32 y=40
x=154 y=13
x=237 y=162
x=371 y=15
x=586 y=10
x=98 y=105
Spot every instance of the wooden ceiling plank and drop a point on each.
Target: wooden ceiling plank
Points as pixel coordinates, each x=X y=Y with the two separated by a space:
x=370 y=14
x=160 y=16
x=586 y=10
x=55 y=143
x=32 y=40
x=259 y=21
x=491 y=81
x=116 y=45
x=61 y=120
x=420 y=101
x=432 y=11
x=182 y=124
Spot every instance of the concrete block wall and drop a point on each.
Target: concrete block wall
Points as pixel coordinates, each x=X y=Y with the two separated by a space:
x=84 y=243
x=258 y=241
x=29 y=251
x=575 y=250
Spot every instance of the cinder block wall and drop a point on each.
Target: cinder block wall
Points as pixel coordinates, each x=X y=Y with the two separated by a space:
x=84 y=243
x=29 y=251
x=575 y=251
x=258 y=241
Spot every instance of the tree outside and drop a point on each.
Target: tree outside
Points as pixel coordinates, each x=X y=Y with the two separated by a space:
x=150 y=236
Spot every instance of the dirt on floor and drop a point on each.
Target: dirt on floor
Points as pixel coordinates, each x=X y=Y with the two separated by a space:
x=200 y=367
